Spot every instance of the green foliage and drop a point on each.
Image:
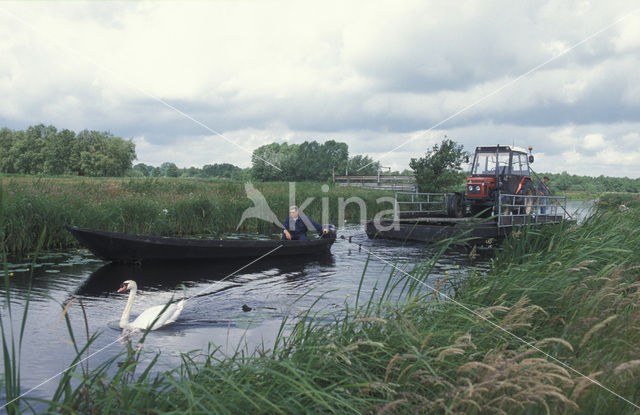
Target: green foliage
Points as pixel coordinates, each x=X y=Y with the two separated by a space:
x=167 y=169
x=363 y=166
x=440 y=170
x=45 y=150
x=143 y=170
x=273 y=162
x=225 y=170
x=565 y=182
x=309 y=161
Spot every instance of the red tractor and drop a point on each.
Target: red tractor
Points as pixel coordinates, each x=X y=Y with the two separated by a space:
x=495 y=171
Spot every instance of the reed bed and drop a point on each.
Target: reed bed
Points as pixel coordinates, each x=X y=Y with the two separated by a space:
x=570 y=291
x=155 y=206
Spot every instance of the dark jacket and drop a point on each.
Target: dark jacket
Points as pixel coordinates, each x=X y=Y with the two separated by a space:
x=299 y=230
x=543 y=189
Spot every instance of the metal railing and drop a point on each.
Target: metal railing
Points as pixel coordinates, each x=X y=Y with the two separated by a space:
x=379 y=182
x=512 y=210
x=420 y=203
x=518 y=210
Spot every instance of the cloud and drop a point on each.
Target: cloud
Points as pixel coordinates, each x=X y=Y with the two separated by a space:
x=594 y=141
x=372 y=76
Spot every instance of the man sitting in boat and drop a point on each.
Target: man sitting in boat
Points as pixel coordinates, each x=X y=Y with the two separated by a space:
x=295 y=226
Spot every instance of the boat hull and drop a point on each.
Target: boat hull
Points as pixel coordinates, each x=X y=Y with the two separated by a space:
x=413 y=230
x=121 y=247
x=458 y=230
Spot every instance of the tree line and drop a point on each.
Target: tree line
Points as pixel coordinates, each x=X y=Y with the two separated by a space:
x=565 y=182
x=168 y=169
x=308 y=161
x=45 y=150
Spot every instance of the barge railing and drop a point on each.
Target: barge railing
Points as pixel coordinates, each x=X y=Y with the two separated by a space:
x=518 y=210
x=379 y=182
x=413 y=203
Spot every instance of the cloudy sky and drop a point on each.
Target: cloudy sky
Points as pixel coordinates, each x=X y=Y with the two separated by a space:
x=207 y=82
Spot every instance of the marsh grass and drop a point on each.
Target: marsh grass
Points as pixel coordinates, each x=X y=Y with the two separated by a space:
x=12 y=336
x=164 y=207
x=573 y=291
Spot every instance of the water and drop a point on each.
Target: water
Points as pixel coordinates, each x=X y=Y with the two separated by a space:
x=273 y=288
x=579 y=210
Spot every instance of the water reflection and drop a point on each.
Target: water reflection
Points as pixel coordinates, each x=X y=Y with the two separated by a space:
x=166 y=277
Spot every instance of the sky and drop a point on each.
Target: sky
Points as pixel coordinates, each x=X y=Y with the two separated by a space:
x=201 y=82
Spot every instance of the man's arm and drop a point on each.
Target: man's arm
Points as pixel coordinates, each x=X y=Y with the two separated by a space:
x=285 y=228
x=315 y=225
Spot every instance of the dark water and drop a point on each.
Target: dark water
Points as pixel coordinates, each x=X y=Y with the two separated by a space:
x=273 y=288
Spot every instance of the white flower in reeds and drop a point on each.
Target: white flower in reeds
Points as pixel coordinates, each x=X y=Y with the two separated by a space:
x=165 y=211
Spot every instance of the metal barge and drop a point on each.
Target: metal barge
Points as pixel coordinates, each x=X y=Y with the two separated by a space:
x=423 y=217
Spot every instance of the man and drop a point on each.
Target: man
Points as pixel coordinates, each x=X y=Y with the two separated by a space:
x=296 y=226
x=543 y=190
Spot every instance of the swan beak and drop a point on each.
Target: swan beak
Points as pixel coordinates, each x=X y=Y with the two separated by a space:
x=122 y=288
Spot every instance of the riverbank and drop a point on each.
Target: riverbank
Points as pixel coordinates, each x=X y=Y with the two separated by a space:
x=158 y=206
x=552 y=324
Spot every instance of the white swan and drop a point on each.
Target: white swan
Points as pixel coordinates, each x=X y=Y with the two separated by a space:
x=148 y=316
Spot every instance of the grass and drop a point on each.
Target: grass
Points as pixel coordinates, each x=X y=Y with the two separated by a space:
x=165 y=207
x=573 y=291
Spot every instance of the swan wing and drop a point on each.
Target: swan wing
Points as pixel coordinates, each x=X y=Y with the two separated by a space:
x=149 y=315
x=174 y=311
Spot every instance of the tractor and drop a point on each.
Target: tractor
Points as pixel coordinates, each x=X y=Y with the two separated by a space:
x=495 y=171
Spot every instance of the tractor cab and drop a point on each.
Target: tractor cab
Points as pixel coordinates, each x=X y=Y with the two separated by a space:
x=494 y=170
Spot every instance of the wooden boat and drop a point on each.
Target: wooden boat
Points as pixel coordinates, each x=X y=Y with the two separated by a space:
x=122 y=247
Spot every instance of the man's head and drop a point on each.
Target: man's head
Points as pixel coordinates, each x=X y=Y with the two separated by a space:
x=293 y=212
x=545 y=179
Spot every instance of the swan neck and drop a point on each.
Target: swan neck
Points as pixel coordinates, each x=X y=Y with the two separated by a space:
x=124 y=320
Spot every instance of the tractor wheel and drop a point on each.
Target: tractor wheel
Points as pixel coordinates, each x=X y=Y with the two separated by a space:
x=455 y=207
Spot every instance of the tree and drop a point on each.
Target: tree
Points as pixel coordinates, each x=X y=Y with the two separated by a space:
x=97 y=153
x=440 y=170
x=307 y=161
x=333 y=155
x=27 y=150
x=6 y=143
x=225 y=170
x=362 y=166
x=274 y=162
x=57 y=150
x=143 y=169
x=169 y=169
